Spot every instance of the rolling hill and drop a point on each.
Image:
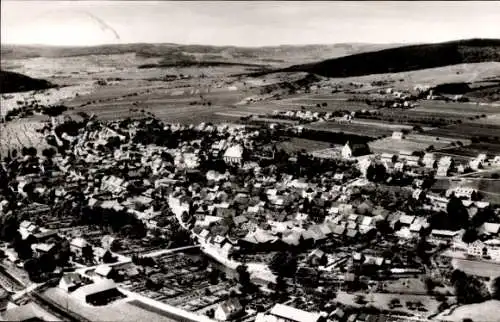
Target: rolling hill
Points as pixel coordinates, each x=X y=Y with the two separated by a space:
x=11 y=82
x=284 y=54
x=406 y=58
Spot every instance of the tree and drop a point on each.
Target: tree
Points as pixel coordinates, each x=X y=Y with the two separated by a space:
x=458 y=212
x=470 y=235
x=88 y=254
x=48 y=153
x=244 y=279
x=284 y=264
x=496 y=288
x=47 y=263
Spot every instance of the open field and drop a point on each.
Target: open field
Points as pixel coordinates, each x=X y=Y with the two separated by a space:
x=474 y=149
x=412 y=142
x=485 y=312
x=299 y=144
x=432 y=76
x=478 y=268
x=310 y=103
x=466 y=109
x=350 y=128
x=468 y=131
x=382 y=300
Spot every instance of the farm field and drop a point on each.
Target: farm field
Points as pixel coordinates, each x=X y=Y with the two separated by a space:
x=299 y=144
x=432 y=76
x=333 y=104
x=440 y=107
x=468 y=131
x=351 y=128
x=474 y=149
x=477 y=268
x=392 y=126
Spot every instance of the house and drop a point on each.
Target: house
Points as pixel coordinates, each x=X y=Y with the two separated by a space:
x=78 y=246
x=398 y=135
x=354 y=150
x=476 y=248
x=491 y=228
x=109 y=242
x=228 y=310
x=285 y=313
x=27 y=228
x=443 y=236
x=43 y=248
x=429 y=160
x=70 y=282
x=234 y=155
x=444 y=166
x=317 y=258
x=105 y=271
x=461 y=192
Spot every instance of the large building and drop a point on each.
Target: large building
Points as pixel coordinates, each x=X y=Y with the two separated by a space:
x=98 y=293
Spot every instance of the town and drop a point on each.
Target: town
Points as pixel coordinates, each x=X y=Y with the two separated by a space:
x=213 y=221
x=249 y=161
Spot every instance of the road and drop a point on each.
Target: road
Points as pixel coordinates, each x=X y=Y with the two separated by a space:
x=169 y=251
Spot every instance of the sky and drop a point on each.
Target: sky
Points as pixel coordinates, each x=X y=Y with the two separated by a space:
x=245 y=23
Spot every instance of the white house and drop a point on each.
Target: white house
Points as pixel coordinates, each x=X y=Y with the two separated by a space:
x=398 y=135
x=429 y=160
x=228 y=310
x=234 y=155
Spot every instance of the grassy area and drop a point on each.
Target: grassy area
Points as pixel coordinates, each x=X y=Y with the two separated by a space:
x=382 y=301
x=486 y=312
x=351 y=128
x=478 y=268
x=298 y=144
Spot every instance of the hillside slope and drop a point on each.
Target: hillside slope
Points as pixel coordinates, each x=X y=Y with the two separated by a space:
x=406 y=58
x=11 y=82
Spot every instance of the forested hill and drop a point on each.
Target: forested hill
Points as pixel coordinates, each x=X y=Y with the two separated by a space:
x=406 y=58
x=11 y=82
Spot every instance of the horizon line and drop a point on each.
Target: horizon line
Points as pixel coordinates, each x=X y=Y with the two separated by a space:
x=241 y=46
